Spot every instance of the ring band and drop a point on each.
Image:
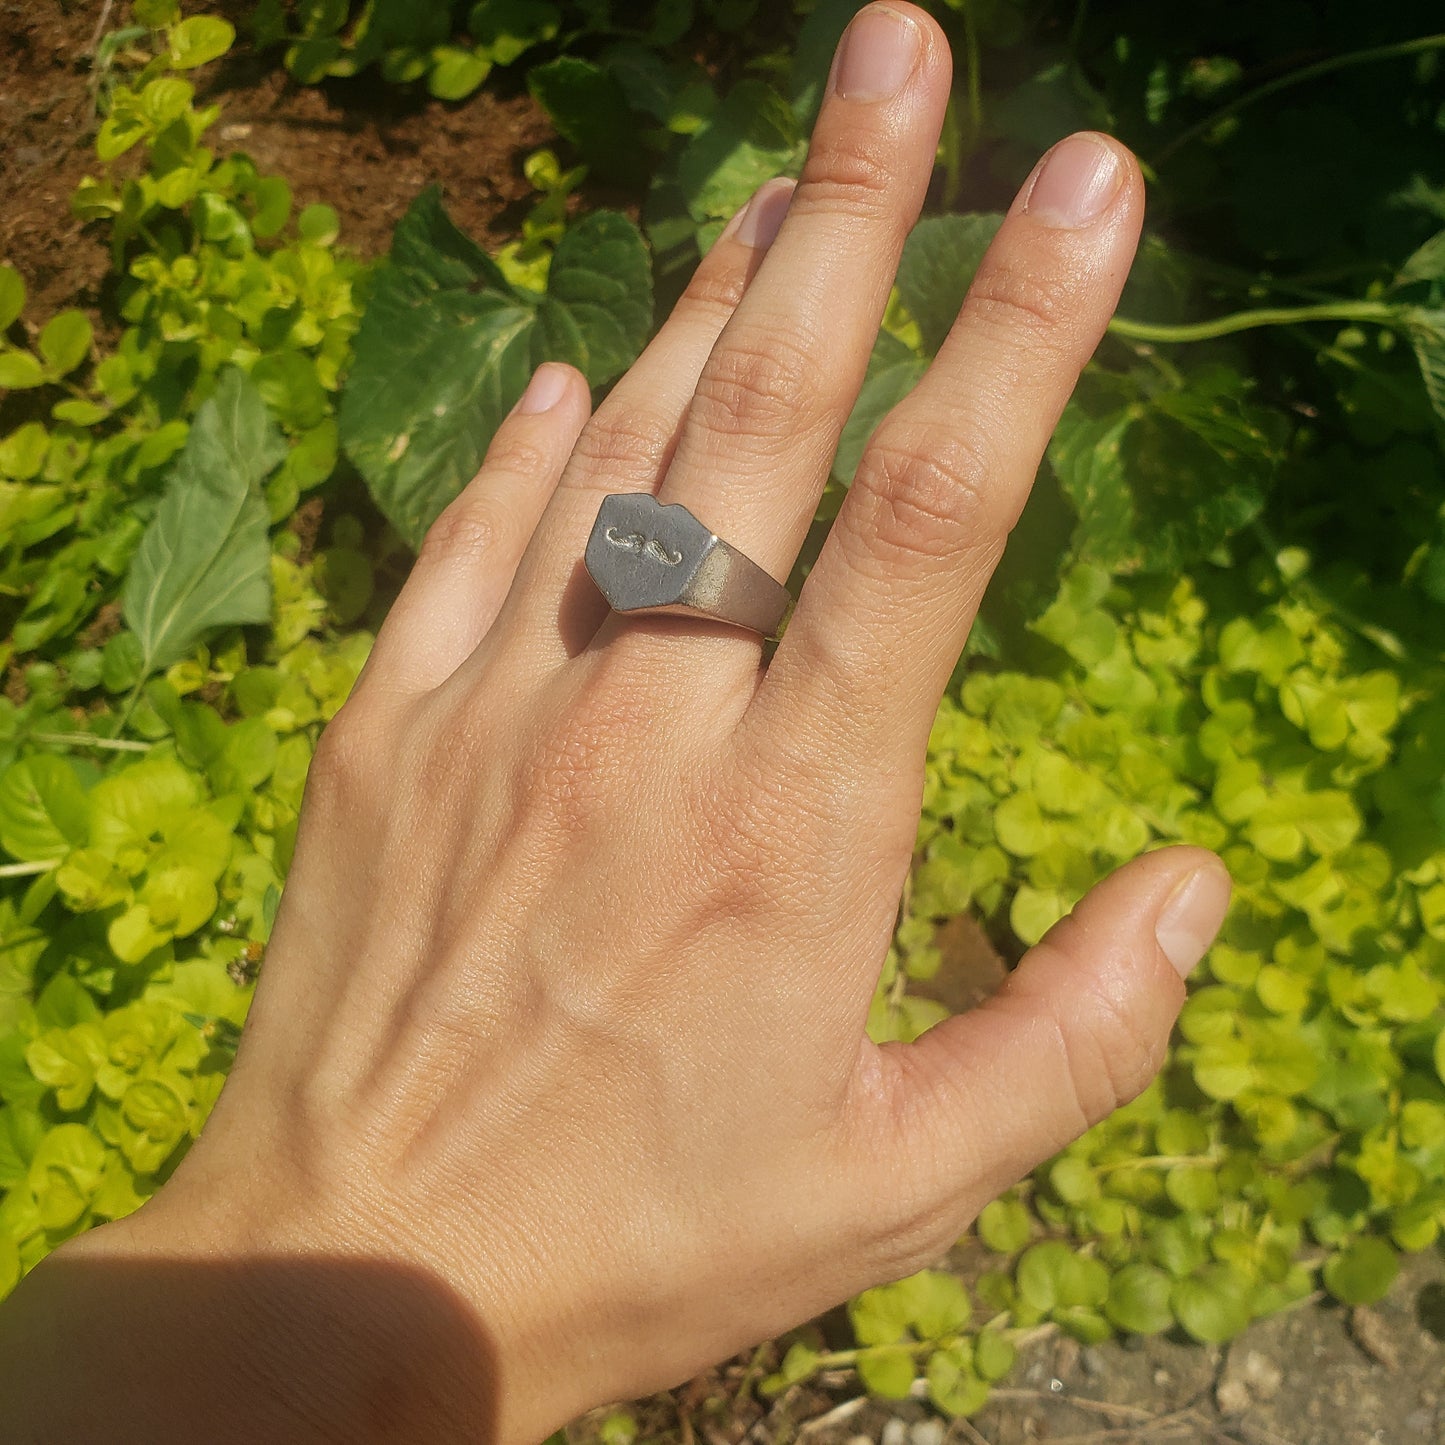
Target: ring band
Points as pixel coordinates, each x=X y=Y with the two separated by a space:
x=647 y=557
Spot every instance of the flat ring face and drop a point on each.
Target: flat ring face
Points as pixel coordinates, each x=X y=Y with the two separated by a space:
x=647 y=557
x=643 y=555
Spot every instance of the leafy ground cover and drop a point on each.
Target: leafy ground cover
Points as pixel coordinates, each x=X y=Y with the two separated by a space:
x=1222 y=620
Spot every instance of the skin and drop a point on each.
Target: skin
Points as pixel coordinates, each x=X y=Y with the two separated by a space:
x=556 y=1088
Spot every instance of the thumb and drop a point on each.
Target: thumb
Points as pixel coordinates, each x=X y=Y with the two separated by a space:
x=1080 y=1027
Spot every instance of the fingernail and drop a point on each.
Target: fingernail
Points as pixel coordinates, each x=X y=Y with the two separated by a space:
x=1074 y=183
x=877 y=55
x=544 y=391
x=762 y=217
x=1192 y=915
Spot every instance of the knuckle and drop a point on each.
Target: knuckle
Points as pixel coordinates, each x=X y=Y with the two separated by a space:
x=1013 y=299
x=759 y=388
x=630 y=438
x=347 y=757
x=932 y=492
x=714 y=291
x=521 y=456
x=468 y=530
x=1109 y=1057
x=852 y=173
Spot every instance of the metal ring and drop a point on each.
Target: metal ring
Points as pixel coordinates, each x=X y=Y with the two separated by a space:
x=646 y=557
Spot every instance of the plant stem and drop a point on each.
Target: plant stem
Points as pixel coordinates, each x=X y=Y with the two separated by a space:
x=960 y=142
x=1377 y=311
x=29 y=870
x=90 y=740
x=1396 y=51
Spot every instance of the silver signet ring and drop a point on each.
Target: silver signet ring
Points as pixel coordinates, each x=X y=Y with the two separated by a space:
x=646 y=557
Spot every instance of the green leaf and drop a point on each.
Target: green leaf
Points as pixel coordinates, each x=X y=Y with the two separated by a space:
x=509 y=28
x=752 y=137
x=1139 y=1299
x=447 y=346
x=1363 y=1273
x=204 y=561
x=200 y=40
x=879 y=1316
x=953 y=1384
x=19 y=371
x=588 y=107
x=1051 y=1276
x=12 y=296
x=44 y=811
x=1427 y=336
x=1005 y=1226
x=1159 y=483
x=271 y=201
x=887 y=1371
x=993 y=1354
x=938 y=266
x=1426 y=264
x=65 y=342
x=1212 y=1305
x=937 y=1304
x=893 y=371
x=318 y=224
x=456 y=72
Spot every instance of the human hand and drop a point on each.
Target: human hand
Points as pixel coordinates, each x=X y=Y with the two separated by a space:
x=564 y=1007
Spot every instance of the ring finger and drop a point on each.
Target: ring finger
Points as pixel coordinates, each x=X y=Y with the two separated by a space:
x=550 y=614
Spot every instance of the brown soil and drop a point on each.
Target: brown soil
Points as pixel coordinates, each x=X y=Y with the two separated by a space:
x=46 y=121
x=365 y=148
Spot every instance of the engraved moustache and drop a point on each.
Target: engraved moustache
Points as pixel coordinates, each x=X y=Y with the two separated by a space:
x=643 y=546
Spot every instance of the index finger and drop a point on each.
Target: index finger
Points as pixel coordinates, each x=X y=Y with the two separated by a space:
x=886 y=610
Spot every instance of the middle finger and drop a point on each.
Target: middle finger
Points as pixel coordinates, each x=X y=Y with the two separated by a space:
x=762 y=428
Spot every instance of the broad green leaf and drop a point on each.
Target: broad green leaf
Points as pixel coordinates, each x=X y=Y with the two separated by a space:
x=447 y=347
x=1160 y=482
x=44 y=811
x=893 y=371
x=939 y=261
x=813 y=54
x=204 y=561
x=1426 y=264
x=12 y=296
x=1427 y=335
x=752 y=137
x=1363 y=1273
x=589 y=108
x=65 y=342
x=509 y=28
x=199 y=40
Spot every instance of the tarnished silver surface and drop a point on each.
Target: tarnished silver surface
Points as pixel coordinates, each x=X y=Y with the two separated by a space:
x=646 y=557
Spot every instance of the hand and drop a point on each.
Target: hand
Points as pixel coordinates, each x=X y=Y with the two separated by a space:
x=563 y=1014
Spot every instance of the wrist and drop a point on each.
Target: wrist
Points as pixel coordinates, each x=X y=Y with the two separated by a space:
x=119 y=1326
